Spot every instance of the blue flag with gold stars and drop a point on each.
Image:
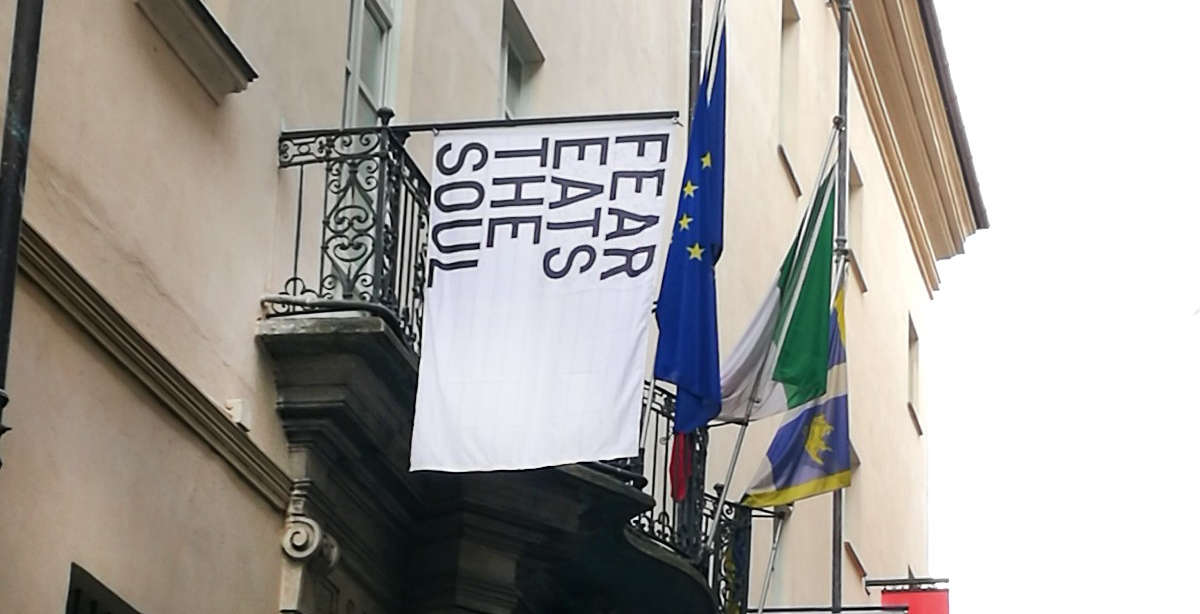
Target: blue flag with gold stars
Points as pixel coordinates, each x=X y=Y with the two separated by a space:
x=687 y=303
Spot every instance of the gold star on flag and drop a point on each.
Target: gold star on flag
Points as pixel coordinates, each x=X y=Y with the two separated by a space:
x=706 y=160
x=689 y=188
x=684 y=220
x=695 y=251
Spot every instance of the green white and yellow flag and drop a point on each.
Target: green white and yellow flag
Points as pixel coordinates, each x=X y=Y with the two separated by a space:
x=790 y=330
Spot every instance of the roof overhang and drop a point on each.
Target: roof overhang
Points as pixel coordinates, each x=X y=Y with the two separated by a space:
x=933 y=34
x=899 y=65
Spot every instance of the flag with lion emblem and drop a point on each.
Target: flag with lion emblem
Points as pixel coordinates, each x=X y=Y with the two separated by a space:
x=810 y=454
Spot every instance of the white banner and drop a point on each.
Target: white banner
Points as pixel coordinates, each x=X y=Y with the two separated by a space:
x=542 y=259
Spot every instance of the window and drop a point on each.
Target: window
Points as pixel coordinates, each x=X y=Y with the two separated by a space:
x=855 y=560
x=366 y=61
x=520 y=58
x=914 y=376
x=789 y=83
x=87 y=595
x=854 y=224
x=514 y=78
x=789 y=72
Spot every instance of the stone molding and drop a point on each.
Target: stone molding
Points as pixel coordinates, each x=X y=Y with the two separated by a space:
x=43 y=265
x=898 y=85
x=201 y=43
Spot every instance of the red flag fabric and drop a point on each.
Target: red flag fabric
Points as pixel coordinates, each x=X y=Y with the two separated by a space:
x=681 y=465
x=920 y=600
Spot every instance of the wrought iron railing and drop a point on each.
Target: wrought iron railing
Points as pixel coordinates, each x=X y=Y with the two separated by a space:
x=681 y=517
x=359 y=242
x=676 y=524
x=361 y=224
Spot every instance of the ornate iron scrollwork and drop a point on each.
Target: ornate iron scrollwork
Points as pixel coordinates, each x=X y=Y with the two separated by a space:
x=363 y=236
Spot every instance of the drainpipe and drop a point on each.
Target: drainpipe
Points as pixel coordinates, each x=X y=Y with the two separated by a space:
x=697 y=16
x=14 y=157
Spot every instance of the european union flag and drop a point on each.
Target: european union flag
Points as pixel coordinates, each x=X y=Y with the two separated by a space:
x=687 y=303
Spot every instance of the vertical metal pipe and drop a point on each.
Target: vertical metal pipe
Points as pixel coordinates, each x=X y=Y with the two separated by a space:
x=14 y=158
x=694 y=52
x=836 y=566
x=843 y=187
x=766 y=588
x=843 y=175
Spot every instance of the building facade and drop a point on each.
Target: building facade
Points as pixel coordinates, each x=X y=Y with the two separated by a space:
x=180 y=444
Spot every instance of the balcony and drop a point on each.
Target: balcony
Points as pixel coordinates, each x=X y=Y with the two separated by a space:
x=344 y=336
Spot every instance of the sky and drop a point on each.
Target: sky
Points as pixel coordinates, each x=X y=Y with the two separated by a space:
x=1063 y=351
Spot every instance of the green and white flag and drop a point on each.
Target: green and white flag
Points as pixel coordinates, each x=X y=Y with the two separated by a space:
x=790 y=330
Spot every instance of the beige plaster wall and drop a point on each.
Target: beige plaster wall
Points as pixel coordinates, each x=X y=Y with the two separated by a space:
x=165 y=200
x=96 y=472
x=172 y=206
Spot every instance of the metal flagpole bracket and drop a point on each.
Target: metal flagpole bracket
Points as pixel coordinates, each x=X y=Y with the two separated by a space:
x=780 y=515
x=909 y=583
x=434 y=127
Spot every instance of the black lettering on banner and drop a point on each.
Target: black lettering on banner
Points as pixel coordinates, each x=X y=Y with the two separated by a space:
x=515 y=222
x=642 y=139
x=451 y=248
x=466 y=205
x=628 y=267
x=565 y=185
x=643 y=222
x=462 y=158
x=553 y=273
x=593 y=223
x=518 y=183
x=638 y=178
x=537 y=152
x=438 y=265
x=581 y=145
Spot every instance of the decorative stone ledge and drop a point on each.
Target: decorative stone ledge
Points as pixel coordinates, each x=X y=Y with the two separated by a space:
x=202 y=44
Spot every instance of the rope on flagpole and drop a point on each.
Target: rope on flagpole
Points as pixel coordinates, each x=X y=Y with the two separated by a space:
x=753 y=399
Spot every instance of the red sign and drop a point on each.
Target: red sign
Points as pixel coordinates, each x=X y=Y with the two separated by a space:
x=920 y=600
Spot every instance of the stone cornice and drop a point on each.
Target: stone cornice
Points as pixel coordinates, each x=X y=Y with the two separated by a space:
x=889 y=148
x=42 y=264
x=900 y=86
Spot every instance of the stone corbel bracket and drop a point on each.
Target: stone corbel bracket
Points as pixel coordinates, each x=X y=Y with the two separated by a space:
x=309 y=554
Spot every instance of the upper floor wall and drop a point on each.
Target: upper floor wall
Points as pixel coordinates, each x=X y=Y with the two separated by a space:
x=169 y=201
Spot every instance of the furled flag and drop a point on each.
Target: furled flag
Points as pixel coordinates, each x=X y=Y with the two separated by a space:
x=810 y=454
x=780 y=362
x=687 y=353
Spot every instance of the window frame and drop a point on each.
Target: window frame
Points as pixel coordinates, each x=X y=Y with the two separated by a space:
x=354 y=85
x=86 y=593
x=507 y=53
x=516 y=41
x=914 y=376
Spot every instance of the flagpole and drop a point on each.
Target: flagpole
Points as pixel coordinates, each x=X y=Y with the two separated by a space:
x=754 y=389
x=695 y=53
x=840 y=252
x=781 y=518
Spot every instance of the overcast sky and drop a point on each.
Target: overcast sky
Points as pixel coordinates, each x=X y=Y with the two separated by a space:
x=1064 y=349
